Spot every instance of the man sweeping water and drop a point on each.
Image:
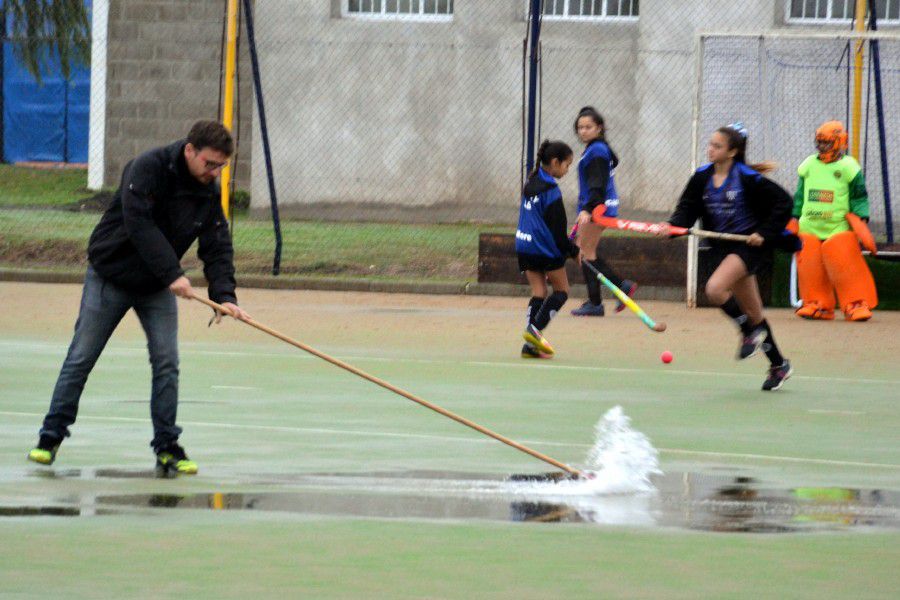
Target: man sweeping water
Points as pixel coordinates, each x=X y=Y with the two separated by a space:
x=168 y=198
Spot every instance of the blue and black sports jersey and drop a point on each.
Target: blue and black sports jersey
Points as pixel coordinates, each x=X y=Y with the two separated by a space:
x=727 y=205
x=596 y=178
x=542 y=219
x=760 y=199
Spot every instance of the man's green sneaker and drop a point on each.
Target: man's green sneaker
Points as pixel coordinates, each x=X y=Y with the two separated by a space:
x=45 y=452
x=171 y=460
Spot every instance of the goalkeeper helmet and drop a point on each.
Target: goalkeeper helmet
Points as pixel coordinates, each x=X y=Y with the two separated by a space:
x=831 y=140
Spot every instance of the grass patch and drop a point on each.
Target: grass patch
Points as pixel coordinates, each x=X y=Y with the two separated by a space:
x=53 y=238
x=34 y=233
x=27 y=186
x=446 y=252
x=885 y=272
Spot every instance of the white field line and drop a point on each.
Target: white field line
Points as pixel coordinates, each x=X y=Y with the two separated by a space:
x=823 y=411
x=327 y=431
x=673 y=371
x=233 y=387
x=57 y=349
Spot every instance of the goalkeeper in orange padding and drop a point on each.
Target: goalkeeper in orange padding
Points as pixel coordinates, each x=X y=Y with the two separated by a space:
x=831 y=208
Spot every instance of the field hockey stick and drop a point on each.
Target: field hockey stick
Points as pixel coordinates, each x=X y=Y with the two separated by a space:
x=715 y=235
x=348 y=367
x=656 y=229
x=624 y=299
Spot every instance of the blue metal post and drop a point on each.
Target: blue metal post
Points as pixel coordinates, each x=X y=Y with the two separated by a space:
x=882 y=142
x=536 y=8
x=2 y=75
x=264 y=130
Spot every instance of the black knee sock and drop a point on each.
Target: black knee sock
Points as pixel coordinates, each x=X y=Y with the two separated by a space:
x=735 y=313
x=549 y=309
x=770 y=347
x=534 y=305
x=592 y=283
x=607 y=270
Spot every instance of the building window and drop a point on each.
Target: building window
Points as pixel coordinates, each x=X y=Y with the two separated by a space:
x=840 y=11
x=590 y=9
x=417 y=10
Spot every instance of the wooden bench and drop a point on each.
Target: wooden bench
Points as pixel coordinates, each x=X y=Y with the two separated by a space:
x=658 y=265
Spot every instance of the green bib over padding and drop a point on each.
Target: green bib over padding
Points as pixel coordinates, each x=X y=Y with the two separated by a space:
x=826 y=198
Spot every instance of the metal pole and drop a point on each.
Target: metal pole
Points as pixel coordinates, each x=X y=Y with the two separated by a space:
x=228 y=112
x=264 y=131
x=860 y=20
x=65 y=148
x=2 y=60
x=882 y=139
x=97 y=119
x=536 y=8
x=693 y=245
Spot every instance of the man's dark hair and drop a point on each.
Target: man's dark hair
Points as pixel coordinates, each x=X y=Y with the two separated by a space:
x=211 y=134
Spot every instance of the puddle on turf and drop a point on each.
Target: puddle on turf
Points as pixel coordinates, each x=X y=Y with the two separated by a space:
x=39 y=511
x=710 y=502
x=94 y=473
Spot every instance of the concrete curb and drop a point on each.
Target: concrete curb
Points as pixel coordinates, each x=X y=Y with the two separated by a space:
x=38 y=276
x=300 y=283
x=336 y=284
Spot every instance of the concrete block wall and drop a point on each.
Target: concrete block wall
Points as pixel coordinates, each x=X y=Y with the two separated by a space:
x=666 y=44
x=356 y=120
x=352 y=114
x=163 y=73
x=422 y=120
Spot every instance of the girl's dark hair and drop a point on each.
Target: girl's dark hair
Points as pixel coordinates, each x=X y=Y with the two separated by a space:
x=738 y=140
x=549 y=150
x=597 y=118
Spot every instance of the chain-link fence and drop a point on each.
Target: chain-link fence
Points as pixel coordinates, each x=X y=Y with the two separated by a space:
x=784 y=86
x=396 y=127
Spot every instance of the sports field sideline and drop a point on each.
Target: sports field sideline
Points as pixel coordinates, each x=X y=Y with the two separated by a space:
x=333 y=487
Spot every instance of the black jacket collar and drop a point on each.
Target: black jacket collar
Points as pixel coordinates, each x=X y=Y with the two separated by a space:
x=538 y=183
x=175 y=157
x=177 y=164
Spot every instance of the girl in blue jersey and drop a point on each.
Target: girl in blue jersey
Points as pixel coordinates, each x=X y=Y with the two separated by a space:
x=542 y=245
x=596 y=186
x=729 y=196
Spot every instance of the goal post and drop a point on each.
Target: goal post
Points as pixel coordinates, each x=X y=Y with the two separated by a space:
x=782 y=86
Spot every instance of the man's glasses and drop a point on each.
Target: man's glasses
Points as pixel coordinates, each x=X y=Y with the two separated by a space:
x=209 y=165
x=212 y=165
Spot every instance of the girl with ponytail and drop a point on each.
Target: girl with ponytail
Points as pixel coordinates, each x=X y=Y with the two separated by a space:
x=542 y=245
x=596 y=187
x=730 y=196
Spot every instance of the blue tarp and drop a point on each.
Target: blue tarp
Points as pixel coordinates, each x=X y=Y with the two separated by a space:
x=47 y=122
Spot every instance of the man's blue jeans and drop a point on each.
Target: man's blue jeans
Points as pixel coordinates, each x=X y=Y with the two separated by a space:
x=103 y=305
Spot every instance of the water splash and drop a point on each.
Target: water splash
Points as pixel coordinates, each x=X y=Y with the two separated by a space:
x=620 y=462
x=622 y=459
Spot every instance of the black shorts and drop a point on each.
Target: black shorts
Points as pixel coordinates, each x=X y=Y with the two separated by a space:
x=756 y=259
x=541 y=264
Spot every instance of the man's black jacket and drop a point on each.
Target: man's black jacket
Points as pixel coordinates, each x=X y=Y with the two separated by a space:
x=156 y=214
